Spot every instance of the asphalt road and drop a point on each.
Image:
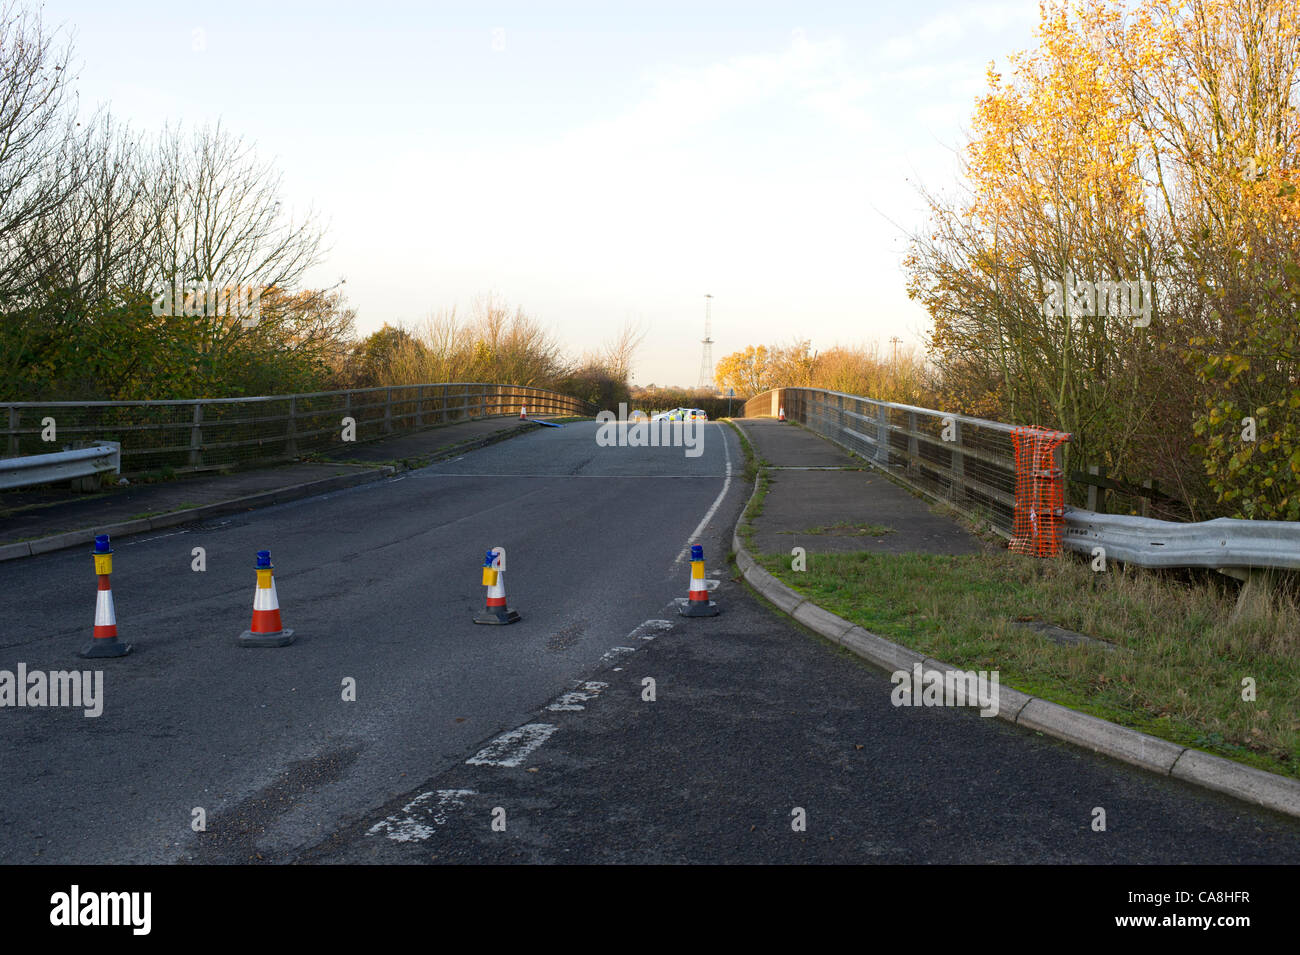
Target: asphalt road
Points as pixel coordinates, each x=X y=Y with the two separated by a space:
x=381 y=583
x=752 y=718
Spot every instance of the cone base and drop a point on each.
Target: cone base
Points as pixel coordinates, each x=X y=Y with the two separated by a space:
x=281 y=638
x=698 y=608
x=498 y=617
x=105 y=647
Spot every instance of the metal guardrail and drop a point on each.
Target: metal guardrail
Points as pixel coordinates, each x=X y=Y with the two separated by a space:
x=975 y=472
x=60 y=465
x=204 y=434
x=1216 y=544
x=968 y=462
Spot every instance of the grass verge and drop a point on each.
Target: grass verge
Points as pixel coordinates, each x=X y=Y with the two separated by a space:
x=1181 y=678
x=753 y=472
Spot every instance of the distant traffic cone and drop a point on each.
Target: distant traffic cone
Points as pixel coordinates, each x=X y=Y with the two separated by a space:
x=523 y=412
x=104 y=643
x=494 y=577
x=266 y=629
x=698 y=604
x=781 y=416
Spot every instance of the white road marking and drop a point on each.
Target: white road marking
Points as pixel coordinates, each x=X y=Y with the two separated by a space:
x=145 y=540
x=726 y=485
x=512 y=748
x=576 y=700
x=651 y=629
x=410 y=829
x=613 y=653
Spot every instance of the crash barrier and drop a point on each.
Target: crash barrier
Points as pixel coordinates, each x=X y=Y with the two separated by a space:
x=77 y=464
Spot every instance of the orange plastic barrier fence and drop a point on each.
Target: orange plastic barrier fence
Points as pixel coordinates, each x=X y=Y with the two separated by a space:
x=1040 y=492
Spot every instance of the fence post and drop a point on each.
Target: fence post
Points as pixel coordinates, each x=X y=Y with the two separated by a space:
x=1150 y=484
x=13 y=432
x=913 y=443
x=1096 y=494
x=882 y=436
x=291 y=432
x=419 y=406
x=388 y=411
x=958 y=466
x=196 y=436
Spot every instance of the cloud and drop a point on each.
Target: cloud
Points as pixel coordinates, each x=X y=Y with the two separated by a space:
x=947 y=29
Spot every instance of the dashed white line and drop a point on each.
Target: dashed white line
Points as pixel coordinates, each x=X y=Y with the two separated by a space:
x=145 y=540
x=512 y=748
x=577 y=699
x=651 y=629
x=408 y=828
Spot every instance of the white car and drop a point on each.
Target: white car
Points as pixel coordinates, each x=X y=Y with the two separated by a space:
x=682 y=414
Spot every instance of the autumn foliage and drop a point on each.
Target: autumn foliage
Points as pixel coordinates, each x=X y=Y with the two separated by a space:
x=861 y=370
x=1154 y=143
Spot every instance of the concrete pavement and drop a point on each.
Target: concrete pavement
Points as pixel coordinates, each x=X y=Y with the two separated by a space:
x=826 y=511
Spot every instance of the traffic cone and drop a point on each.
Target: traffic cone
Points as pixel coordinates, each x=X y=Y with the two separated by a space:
x=697 y=603
x=523 y=412
x=781 y=416
x=104 y=642
x=266 y=629
x=494 y=576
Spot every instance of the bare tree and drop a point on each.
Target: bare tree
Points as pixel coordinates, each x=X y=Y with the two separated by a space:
x=37 y=145
x=622 y=348
x=218 y=217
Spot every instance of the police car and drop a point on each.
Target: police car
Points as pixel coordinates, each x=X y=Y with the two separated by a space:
x=682 y=414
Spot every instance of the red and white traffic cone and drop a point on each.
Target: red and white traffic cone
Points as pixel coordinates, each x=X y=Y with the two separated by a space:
x=781 y=416
x=523 y=412
x=266 y=629
x=494 y=579
x=104 y=642
x=697 y=603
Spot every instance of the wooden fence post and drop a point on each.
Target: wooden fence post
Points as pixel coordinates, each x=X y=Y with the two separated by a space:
x=196 y=436
x=291 y=431
x=1097 y=493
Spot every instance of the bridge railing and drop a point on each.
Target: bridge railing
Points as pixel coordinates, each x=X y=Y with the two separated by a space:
x=968 y=462
x=213 y=433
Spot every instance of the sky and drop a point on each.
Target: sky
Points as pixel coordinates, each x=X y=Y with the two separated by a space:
x=592 y=163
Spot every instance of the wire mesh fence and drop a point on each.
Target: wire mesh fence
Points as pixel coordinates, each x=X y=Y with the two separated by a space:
x=969 y=462
x=219 y=433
